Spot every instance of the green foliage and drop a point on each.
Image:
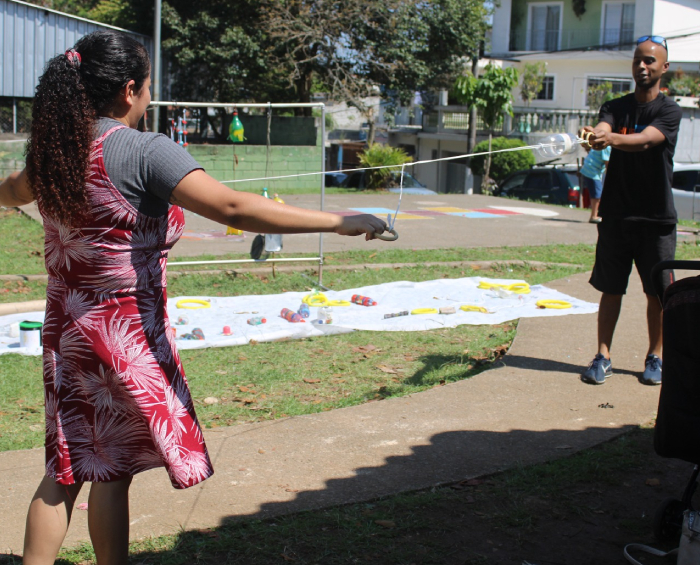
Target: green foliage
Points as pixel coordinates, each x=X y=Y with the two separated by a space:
x=684 y=85
x=531 y=85
x=491 y=93
x=502 y=164
x=598 y=94
x=377 y=155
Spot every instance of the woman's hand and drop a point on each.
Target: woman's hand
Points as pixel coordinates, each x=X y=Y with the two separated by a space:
x=362 y=223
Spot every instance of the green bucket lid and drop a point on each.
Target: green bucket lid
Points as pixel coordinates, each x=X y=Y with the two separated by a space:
x=30 y=326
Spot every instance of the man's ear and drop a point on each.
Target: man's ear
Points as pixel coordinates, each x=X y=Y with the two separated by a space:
x=665 y=66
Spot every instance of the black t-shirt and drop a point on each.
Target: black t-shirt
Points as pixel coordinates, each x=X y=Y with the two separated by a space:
x=638 y=184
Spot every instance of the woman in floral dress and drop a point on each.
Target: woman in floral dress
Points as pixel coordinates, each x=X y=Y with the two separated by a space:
x=117 y=401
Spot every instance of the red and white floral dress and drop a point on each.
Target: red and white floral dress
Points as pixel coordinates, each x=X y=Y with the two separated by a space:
x=117 y=401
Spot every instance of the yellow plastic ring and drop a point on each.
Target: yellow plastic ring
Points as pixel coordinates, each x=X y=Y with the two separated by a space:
x=556 y=304
x=517 y=288
x=317 y=299
x=424 y=311
x=470 y=308
x=196 y=301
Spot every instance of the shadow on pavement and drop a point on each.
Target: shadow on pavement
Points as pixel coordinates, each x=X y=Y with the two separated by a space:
x=450 y=458
x=536 y=364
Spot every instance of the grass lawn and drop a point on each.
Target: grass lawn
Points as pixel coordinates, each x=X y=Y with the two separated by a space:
x=588 y=504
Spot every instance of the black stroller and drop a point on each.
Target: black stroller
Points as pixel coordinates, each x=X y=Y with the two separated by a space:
x=677 y=431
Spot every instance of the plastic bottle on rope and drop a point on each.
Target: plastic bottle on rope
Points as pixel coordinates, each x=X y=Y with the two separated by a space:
x=362 y=300
x=278 y=199
x=264 y=192
x=290 y=316
x=235 y=130
x=556 y=145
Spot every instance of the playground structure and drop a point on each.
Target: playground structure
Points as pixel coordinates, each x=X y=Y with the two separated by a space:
x=188 y=119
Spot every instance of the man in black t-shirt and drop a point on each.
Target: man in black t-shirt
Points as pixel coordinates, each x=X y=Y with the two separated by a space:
x=639 y=218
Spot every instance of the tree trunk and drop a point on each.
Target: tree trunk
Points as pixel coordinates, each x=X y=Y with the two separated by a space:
x=485 y=188
x=371 y=131
x=303 y=86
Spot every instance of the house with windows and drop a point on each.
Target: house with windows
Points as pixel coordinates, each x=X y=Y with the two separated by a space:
x=588 y=42
x=584 y=43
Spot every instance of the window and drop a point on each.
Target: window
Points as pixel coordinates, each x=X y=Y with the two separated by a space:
x=540 y=180
x=618 y=24
x=544 y=27
x=516 y=181
x=685 y=180
x=547 y=92
x=618 y=85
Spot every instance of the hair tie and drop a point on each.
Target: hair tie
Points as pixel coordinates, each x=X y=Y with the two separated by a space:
x=74 y=58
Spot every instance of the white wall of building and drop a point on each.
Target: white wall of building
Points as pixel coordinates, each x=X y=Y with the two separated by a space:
x=571 y=74
x=679 y=17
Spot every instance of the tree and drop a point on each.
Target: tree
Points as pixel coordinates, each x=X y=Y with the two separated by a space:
x=492 y=95
x=533 y=78
x=359 y=48
x=505 y=163
x=597 y=94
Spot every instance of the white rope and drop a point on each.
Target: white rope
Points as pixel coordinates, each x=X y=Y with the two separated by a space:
x=467 y=155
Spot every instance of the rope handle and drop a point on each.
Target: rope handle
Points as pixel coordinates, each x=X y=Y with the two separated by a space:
x=646 y=549
x=383 y=237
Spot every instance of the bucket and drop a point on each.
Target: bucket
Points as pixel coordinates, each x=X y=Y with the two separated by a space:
x=30 y=334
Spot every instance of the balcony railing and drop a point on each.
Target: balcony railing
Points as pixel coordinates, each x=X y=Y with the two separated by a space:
x=525 y=121
x=559 y=40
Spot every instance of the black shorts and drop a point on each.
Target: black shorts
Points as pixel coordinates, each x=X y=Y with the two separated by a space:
x=621 y=242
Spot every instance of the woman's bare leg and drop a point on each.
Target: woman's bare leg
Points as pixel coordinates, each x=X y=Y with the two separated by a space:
x=47 y=521
x=108 y=521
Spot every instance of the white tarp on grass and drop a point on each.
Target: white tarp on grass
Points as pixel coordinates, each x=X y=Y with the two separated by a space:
x=390 y=297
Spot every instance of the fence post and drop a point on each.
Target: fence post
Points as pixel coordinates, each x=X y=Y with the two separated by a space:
x=14 y=115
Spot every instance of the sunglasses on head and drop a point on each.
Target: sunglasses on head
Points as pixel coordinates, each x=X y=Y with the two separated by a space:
x=654 y=39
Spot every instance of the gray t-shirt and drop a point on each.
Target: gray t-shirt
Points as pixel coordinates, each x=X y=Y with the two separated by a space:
x=145 y=167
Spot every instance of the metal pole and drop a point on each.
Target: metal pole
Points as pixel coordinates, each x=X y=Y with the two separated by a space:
x=14 y=115
x=156 y=63
x=323 y=190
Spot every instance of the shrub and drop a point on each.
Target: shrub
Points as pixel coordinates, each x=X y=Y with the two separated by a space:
x=377 y=155
x=502 y=164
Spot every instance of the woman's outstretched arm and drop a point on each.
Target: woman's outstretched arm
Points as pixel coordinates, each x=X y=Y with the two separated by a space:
x=14 y=190
x=202 y=194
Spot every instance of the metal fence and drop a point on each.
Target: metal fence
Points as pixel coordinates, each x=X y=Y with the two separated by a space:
x=15 y=115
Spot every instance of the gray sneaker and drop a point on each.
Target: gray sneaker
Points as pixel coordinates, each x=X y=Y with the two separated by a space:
x=652 y=370
x=599 y=370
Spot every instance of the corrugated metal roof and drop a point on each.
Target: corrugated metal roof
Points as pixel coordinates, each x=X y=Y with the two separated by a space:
x=31 y=35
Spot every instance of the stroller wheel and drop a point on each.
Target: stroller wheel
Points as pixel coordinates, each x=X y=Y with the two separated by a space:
x=668 y=520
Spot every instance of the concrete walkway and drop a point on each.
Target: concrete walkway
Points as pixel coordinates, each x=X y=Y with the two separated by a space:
x=530 y=408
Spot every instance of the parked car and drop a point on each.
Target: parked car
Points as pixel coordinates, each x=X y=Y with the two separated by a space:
x=411 y=185
x=686 y=191
x=549 y=184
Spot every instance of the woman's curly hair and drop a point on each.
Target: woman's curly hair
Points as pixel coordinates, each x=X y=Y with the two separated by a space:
x=71 y=95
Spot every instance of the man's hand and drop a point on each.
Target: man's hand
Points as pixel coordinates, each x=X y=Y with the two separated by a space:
x=600 y=139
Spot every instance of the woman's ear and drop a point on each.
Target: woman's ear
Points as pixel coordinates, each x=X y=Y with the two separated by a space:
x=127 y=92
